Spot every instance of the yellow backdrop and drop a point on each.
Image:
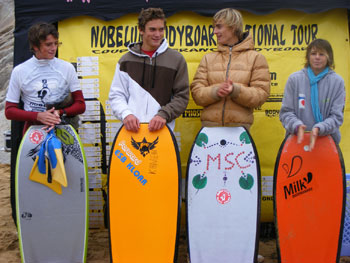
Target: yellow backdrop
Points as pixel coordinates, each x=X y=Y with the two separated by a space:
x=283 y=36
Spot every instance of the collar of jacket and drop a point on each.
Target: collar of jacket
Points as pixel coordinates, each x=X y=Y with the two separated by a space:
x=135 y=48
x=246 y=43
x=43 y=62
x=330 y=71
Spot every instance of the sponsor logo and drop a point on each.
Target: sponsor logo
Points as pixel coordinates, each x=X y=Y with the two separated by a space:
x=44 y=91
x=272 y=113
x=298 y=187
x=82 y=185
x=192 y=113
x=65 y=136
x=129 y=153
x=267 y=198
x=301 y=99
x=27 y=215
x=144 y=146
x=130 y=167
x=36 y=136
x=83 y=1
x=223 y=196
x=299 y=184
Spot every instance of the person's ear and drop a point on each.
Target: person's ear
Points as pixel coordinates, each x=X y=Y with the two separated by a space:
x=141 y=32
x=36 y=49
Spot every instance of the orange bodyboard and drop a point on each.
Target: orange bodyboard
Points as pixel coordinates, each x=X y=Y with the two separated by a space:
x=144 y=196
x=309 y=191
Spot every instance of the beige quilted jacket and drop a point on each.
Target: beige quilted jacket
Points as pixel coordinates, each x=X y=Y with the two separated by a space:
x=249 y=72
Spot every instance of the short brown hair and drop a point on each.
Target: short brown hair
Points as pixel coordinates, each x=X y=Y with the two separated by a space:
x=320 y=45
x=149 y=14
x=39 y=32
x=232 y=18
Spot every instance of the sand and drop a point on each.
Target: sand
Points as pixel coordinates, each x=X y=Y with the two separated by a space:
x=98 y=243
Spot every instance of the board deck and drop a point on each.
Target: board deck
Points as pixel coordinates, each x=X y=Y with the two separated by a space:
x=52 y=227
x=144 y=196
x=309 y=191
x=223 y=197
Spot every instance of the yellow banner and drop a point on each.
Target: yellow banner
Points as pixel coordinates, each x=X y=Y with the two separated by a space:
x=282 y=37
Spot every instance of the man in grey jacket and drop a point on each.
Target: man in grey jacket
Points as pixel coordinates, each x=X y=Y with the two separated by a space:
x=151 y=81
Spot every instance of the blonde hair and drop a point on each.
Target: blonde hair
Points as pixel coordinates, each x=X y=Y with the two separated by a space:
x=232 y=18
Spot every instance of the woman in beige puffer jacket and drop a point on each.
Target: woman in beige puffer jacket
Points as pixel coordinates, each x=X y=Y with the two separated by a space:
x=232 y=81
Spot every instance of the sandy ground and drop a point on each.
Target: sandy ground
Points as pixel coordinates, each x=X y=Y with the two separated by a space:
x=98 y=244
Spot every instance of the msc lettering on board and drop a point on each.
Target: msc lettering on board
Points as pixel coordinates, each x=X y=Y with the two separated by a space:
x=231 y=163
